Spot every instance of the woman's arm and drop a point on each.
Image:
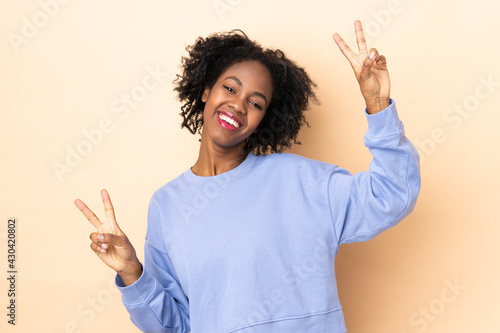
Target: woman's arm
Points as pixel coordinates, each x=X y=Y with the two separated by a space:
x=156 y=302
x=152 y=295
x=367 y=203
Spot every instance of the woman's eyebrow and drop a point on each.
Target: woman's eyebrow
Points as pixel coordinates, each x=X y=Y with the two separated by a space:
x=235 y=79
x=238 y=81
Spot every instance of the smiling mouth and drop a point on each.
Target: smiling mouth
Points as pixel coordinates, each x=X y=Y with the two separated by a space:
x=228 y=122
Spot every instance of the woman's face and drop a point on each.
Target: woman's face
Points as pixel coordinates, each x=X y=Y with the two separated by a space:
x=236 y=104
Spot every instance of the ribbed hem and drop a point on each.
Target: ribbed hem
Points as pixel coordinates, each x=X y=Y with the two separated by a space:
x=319 y=322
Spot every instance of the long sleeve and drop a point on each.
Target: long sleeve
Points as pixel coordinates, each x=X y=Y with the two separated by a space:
x=367 y=203
x=156 y=301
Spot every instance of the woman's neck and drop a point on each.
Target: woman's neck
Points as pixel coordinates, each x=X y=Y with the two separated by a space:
x=214 y=160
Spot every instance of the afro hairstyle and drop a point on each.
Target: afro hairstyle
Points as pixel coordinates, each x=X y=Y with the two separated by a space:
x=209 y=57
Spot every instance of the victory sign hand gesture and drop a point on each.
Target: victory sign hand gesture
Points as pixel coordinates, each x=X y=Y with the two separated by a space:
x=370 y=69
x=110 y=243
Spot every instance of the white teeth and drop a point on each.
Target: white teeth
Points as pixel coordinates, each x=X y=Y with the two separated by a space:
x=229 y=120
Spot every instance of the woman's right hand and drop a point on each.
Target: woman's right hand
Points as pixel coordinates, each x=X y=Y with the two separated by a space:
x=110 y=243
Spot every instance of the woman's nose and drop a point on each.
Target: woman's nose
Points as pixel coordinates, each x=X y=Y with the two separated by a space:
x=238 y=105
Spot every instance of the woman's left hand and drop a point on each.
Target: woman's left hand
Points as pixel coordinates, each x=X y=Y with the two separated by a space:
x=370 y=69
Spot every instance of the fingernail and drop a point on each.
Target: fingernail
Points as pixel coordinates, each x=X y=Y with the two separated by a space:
x=372 y=55
x=100 y=237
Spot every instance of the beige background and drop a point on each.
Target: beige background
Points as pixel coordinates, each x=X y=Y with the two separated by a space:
x=67 y=75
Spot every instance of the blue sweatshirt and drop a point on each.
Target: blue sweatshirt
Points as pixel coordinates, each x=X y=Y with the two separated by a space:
x=253 y=249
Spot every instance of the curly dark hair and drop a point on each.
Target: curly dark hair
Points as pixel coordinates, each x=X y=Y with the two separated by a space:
x=292 y=88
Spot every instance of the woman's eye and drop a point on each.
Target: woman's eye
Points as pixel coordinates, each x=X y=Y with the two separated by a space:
x=229 y=88
x=256 y=105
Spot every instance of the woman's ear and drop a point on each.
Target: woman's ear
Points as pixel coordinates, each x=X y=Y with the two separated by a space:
x=205 y=95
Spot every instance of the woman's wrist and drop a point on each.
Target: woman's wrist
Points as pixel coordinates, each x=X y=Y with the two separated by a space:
x=376 y=105
x=132 y=273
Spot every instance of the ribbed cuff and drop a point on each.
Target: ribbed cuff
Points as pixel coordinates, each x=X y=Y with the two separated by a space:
x=385 y=122
x=139 y=291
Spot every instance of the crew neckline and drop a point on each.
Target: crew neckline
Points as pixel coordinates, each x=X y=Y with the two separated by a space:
x=223 y=178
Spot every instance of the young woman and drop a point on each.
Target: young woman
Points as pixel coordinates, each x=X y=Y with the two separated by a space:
x=245 y=241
